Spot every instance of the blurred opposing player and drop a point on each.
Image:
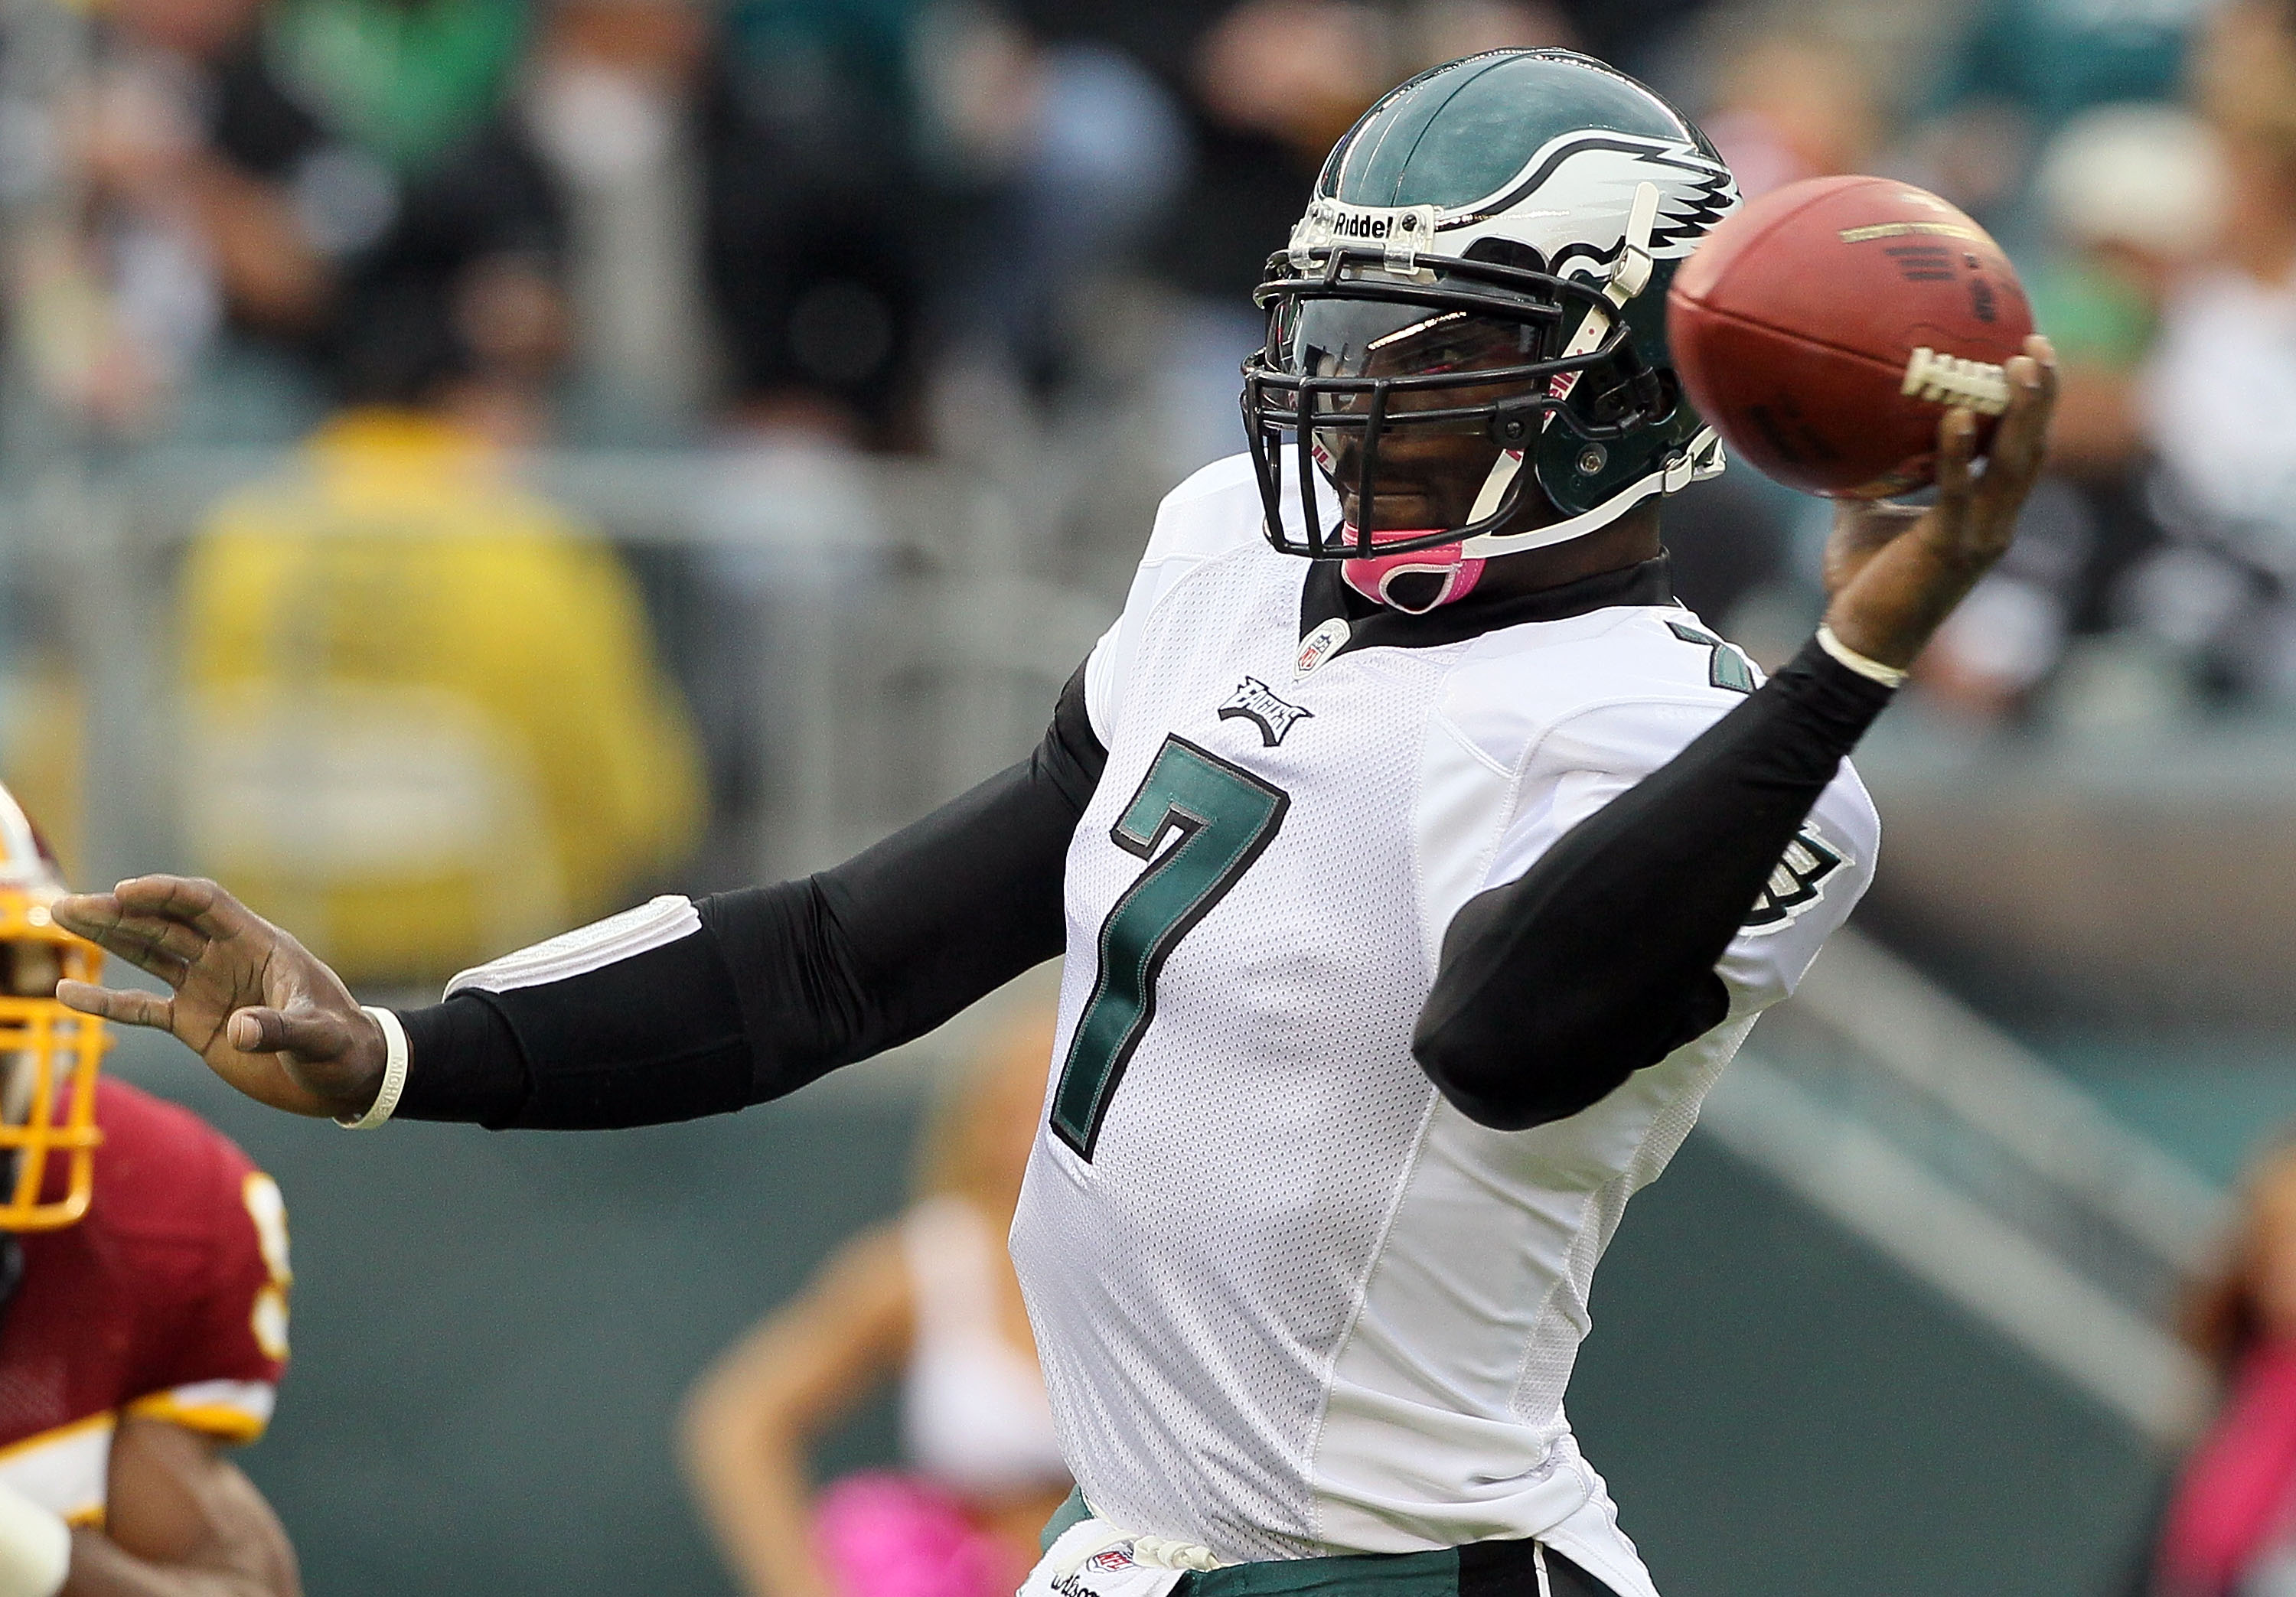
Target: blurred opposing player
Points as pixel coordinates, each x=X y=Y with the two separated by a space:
x=143 y=1278
x=1419 y=862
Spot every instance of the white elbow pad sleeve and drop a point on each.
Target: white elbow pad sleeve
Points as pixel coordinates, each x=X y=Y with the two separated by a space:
x=35 y=1547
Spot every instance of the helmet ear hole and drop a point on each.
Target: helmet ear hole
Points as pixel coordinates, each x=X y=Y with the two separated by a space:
x=1524 y=258
x=1507 y=253
x=1666 y=394
x=1647 y=394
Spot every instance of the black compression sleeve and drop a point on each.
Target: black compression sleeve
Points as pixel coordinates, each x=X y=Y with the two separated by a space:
x=1599 y=959
x=471 y=1069
x=778 y=984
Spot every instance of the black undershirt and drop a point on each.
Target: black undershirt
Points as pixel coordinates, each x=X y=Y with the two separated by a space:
x=1552 y=989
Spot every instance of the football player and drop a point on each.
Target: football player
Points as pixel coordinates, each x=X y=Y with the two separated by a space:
x=1418 y=861
x=143 y=1283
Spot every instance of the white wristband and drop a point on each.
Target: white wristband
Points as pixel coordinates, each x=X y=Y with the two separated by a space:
x=1873 y=670
x=35 y=1547
x=394 y=1074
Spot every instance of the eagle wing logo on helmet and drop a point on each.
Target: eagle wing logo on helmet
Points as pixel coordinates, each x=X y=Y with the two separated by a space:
x=1704 y=194
x=1581 y=175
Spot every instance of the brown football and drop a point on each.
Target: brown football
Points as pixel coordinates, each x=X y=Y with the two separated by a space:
x=1824 y=328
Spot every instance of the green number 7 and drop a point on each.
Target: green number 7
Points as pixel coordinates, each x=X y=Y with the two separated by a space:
x=1226 y=817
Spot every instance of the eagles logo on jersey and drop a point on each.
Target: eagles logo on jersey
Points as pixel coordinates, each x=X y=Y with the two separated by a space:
x=1798 y=882
x=1255 y=701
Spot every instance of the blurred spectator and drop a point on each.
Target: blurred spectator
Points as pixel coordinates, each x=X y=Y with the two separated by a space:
x=2022 y=69
x=444 y=229
x=463 y=275
x=1441 y=30
x=1067 y=153
x=1273 y=84
x=2218 y=393
x=283 y=204
x=609 y=103
x=467 y=282
x=2131 y=197
x=406 y=83
x=816 y=212
x=1632 y=34
x=2231 y=1526
x=2053 y=59
x=191 y=222
x=932 y=1296
x=1786 y=107
x=428 y=718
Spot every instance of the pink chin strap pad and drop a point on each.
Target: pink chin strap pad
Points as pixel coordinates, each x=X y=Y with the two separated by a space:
x=1372 y=577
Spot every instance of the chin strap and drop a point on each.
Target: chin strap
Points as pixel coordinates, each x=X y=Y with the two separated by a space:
x=1630 y=275
x=1455 y=572
x=1462 y=563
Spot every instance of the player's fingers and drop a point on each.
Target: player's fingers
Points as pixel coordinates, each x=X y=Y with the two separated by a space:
x=278 y=1031
x=1956 y=445
x=170 y=939
x=84 y=912
x=123 y=1004
x=194 y=900
x=2022 y=442
x=136 y=942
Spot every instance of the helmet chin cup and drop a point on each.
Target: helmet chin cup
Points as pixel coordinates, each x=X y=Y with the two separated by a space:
x=1416 y=580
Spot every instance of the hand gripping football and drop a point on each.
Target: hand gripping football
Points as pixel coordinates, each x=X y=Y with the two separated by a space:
x=1824 y=328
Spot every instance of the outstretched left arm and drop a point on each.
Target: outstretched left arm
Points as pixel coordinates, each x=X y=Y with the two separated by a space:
x=662 y=1013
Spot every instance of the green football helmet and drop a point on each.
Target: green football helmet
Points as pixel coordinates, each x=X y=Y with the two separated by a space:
x=1494 y=238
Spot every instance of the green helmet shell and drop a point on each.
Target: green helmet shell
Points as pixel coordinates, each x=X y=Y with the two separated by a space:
x=1534 y=158
x=1467 y=132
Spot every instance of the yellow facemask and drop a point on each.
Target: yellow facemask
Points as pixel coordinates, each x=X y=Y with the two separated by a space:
x=50 y=1109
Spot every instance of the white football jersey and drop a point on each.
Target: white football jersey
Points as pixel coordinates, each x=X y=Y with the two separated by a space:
x=1289 y=1301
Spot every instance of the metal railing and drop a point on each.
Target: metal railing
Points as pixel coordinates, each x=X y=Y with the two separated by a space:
x=1925 y=1131
x=902 y=647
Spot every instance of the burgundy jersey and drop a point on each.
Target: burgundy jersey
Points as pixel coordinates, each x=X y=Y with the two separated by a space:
x=169 y=1300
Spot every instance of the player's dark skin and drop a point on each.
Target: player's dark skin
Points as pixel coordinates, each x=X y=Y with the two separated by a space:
x=183 y=1522
x=272 y=1020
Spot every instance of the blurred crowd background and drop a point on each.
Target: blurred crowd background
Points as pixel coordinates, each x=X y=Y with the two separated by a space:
x=466 y=464
x=416 y=252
